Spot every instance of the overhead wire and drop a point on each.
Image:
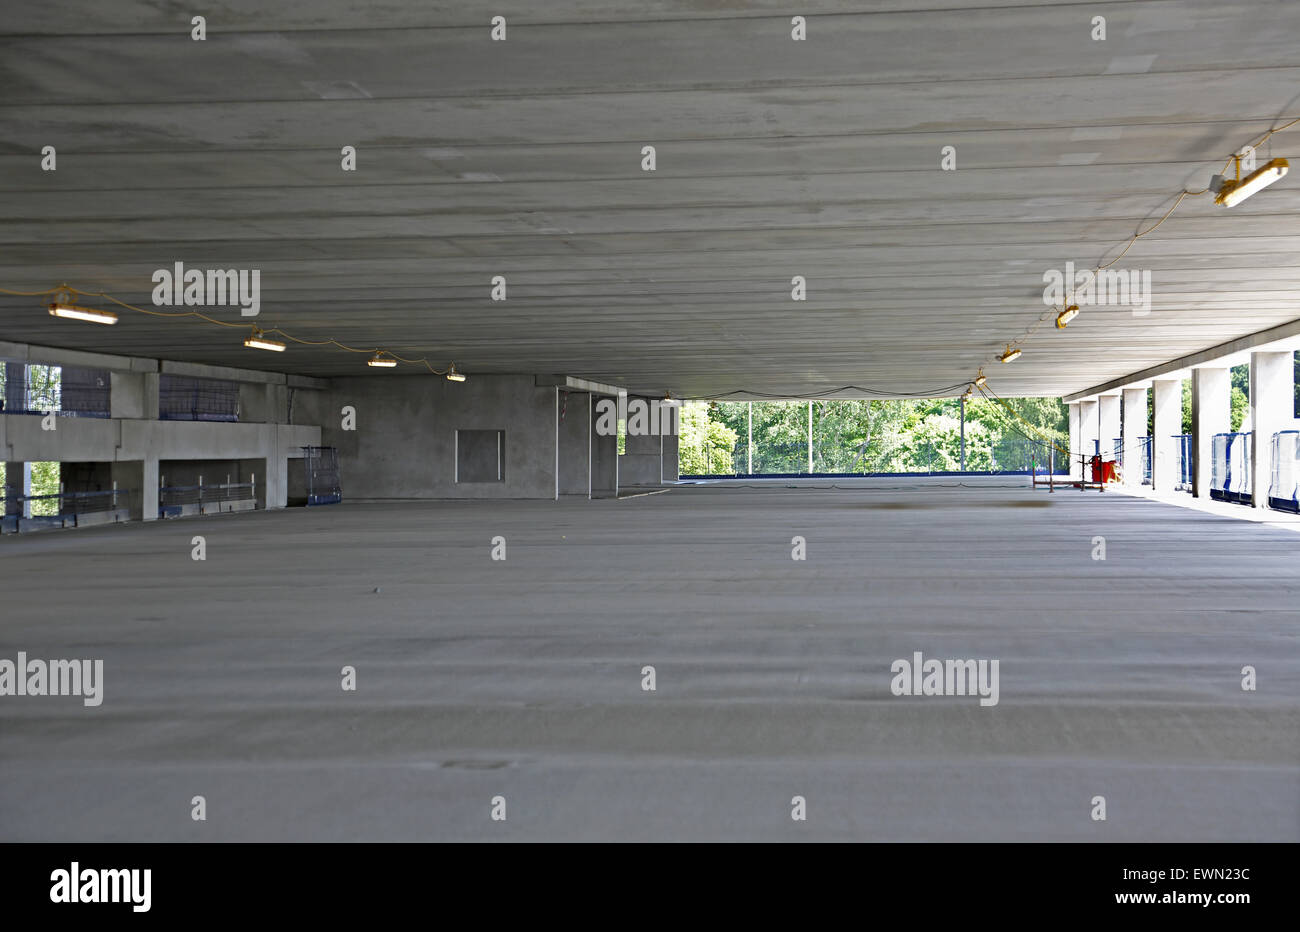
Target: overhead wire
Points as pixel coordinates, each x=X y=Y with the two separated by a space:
x=1181 y=196
x=199 y=315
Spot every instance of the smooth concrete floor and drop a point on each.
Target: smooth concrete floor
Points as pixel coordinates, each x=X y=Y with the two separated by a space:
x=522 y=679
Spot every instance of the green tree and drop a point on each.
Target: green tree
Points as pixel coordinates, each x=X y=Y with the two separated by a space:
x=704 y=446
x=45 y=481
x=1240 y=405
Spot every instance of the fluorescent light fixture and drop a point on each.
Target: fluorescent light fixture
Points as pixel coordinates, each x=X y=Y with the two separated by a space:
x=1234 y=191
x=381 y=361
x=453 y=375
x=257 y=341
x=76 y=312
x=1011 y=355
x=1067 y=315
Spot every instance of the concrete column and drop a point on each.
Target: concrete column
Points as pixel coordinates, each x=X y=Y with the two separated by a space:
x=604 y=460
x=1167 y=400
x=1076 y=439
x=276 y=492
x=1272 y=387
x=18 y=479
x=668 y=462
x=1211 y=414
x=15 y=386
x=1135 y=427
x=1088 y=425
x=1108 y=414
x=263 y=403
x=149 y=490
x=133 y=395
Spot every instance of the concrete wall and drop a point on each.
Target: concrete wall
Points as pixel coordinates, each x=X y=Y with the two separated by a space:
x=669 y=463
x=640 y=464
x=604 y=455
x=404 y=442
x=119 y=440
x=263 y=404
x=573 y=439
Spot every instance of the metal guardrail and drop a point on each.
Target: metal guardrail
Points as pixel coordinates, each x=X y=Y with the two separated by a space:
x=206 y=498
x=1184 y=462
x=1141 y=452
x=1009 y=455
x=63 y=509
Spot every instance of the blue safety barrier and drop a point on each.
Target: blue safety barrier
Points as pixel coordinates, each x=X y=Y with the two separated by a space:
x=1284 y=492
x=1184 y=461
x=321 y=465
x=1230 y=468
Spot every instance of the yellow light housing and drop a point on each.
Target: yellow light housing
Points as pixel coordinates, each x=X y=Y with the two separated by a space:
x=453 y=375
x=981 y=380
x=76 y=312
x=1237 y=190
x=381 y=361
x=258 y=341
x=1067 y=315
x=1011 y=355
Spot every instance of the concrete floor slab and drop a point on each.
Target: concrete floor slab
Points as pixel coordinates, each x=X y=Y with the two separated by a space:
x=522 y=678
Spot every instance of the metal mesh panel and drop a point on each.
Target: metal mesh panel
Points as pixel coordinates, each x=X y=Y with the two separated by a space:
x=324 y=485
x=67 y=391
x=181 y=398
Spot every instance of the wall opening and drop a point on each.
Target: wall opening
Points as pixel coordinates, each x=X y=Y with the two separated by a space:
x=480 y=456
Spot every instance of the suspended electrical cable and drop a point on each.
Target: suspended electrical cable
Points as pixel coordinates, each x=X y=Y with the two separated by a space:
x=1127 y=245
x=883 y=393
x=259 y=333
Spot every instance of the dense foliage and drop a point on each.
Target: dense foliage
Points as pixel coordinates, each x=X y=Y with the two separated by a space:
x=894 y=435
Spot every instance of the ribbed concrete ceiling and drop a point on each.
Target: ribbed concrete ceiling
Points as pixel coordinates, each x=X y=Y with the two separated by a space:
x=775 y=158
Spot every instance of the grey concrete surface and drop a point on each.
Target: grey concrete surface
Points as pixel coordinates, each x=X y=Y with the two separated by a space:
x=401 y=445
x=775 y=158
x=522 y=678
x=573 y=426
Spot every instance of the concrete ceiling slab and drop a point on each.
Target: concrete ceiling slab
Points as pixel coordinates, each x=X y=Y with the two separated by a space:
x=775 y=159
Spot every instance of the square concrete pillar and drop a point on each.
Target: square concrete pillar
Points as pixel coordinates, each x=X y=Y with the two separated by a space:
x=1272 y=400
x=149 y=490
x=18 y=481
x=263 y=403
x=1076 y=439
x=133 y=395
x=604 y=457
x=1108 y=415
x=668 y=461
x=1167 y=399
x=1135 y=428
x=1211 y=414
x=1088 y=425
